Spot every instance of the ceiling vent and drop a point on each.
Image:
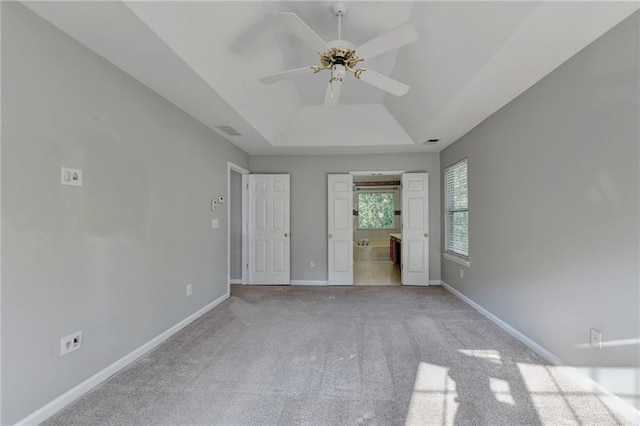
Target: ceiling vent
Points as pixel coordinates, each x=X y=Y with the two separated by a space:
x=430 y=141
x=228 y=130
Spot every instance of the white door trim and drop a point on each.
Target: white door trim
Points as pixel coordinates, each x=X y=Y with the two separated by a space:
x=377 y=172
x=231 y=167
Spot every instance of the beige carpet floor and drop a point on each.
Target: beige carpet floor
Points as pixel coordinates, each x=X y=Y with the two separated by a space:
x=380 y=355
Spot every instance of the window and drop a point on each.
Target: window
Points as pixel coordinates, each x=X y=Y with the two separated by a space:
x=456 y=210
x=375 y=210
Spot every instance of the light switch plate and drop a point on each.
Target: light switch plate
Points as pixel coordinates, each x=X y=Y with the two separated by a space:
x=71 y=177
x=215 y=223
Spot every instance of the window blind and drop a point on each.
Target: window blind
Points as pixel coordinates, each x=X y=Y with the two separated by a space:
x=457 y=209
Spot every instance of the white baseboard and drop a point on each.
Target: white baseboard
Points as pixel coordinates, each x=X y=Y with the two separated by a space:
x=70 y=396
x=506 y=327
x=308 y=282
x=605 y=395
x=235 y=281
x=318 y=282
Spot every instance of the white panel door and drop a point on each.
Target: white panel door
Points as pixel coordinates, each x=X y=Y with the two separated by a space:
x=415 y=229
x=340 y=237
x=269 y=243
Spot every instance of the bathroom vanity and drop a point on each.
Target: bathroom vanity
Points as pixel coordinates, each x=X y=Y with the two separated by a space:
x=395 y=250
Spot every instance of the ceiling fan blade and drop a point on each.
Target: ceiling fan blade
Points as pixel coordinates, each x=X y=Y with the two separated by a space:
x=300 y=29
x=332 y=97
x=285 y=75
x=393 y=39
x=383 y=82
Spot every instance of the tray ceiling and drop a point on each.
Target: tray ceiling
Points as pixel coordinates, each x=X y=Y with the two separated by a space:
x=471 y=59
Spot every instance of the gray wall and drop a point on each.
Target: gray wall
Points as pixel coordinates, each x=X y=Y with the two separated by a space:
x=235 y=223
x=111 y=258
x=553 y=208
x=309 y=201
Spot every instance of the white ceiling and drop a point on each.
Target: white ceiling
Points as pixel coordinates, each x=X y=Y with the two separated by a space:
x=470 y=60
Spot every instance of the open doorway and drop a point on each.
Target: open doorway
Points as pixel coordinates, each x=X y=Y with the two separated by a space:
x=236 y=212
x=377 y=227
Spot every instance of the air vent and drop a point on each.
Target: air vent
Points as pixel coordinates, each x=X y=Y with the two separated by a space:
x=430 y=141
x=228 y=130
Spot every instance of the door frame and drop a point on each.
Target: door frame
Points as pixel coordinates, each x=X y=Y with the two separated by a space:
x=232 y=167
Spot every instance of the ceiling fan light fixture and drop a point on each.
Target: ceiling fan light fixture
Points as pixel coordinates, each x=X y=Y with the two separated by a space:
x=337 y=75
x=338 y=71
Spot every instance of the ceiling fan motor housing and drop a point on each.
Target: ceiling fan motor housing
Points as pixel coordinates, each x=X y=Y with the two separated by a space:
x=342 y=53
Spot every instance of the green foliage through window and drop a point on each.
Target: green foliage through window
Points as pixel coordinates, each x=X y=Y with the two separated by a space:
x=375 y=210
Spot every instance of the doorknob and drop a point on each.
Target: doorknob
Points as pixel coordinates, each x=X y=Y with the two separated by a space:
x=426 y=235
x=286 y=235
x=330 y=235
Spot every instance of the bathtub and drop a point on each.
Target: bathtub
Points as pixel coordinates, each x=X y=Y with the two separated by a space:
x=371 y=249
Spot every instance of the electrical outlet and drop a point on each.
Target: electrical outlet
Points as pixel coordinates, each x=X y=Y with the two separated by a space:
x=71 y=177
x=189 y=289
x=461 y=274
x=596 y=338
x=70 y=343
x=312 y=264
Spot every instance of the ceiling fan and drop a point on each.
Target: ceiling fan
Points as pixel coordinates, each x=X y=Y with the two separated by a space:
x=340 y=56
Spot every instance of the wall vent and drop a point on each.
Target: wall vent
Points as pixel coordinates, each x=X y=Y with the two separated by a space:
x=228 y=130
x=430 y=141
